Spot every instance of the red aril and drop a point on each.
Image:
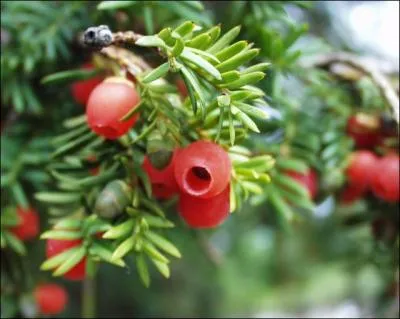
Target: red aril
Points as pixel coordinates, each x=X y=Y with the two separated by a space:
x=203 y=169
x=163 y=181
x=28 y=226
x=57 y=246
x=364 y=129
x=109 y=102
x=385 y=180
x=361 y=168
x=204 y=212
x=81 y=90
x=351 y=193
x=309 y=180
x=50 y=298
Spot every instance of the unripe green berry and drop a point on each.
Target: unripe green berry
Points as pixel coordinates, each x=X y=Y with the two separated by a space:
x=160 y=159
x=159 y=151
x=113 y=199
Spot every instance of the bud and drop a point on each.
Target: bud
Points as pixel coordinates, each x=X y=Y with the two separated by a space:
x=98 y=37
x=113 y=199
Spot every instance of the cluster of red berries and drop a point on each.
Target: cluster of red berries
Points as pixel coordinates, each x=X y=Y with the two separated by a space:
x=202 y=179
x=366 y=171
x=107 y=101
x=203 y=174
x=55 y=247
x=50 y=298
x=28 y=228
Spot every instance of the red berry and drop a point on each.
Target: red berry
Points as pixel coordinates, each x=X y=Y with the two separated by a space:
x=163 y=181
x=361 y=168
x=93 y=171
x=180 y=84
x=50 y=299
x=28 y=226
x=204 y=169
x=385 y=182
x=81 y=90
x=351 y=193
x=364 y=129
x=56 y=246
x=309 y=180
x=204 y=212
x=108 y=103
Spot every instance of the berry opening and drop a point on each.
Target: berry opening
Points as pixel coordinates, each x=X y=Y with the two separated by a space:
x=198 y=180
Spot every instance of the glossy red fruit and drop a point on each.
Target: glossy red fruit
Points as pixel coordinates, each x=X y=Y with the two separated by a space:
x=204 y=212
x=361 y=168
x=365 y=130
x=203 y=169
x=50 y=299
x=56 y=246
x=81 y=90
x=108 y=103
x=28 y=227
x=163 y=181
x=309 y=180
x=180 y=84
x=385 y=180
x=351 y=193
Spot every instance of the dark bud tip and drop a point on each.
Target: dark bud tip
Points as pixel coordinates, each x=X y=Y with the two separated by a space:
x=98 y=37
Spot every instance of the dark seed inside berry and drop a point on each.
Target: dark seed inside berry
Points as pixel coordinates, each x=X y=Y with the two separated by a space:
x=201 y=173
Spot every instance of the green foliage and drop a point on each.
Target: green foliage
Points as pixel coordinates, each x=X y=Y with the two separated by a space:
x=166 y=12
x=248 y=90
x=48 y=31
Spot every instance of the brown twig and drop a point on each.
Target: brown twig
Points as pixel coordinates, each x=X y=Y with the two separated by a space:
x=134 y=64
x=103 y=39
x=125 y=37
x=212 y=253
x=387 y=90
